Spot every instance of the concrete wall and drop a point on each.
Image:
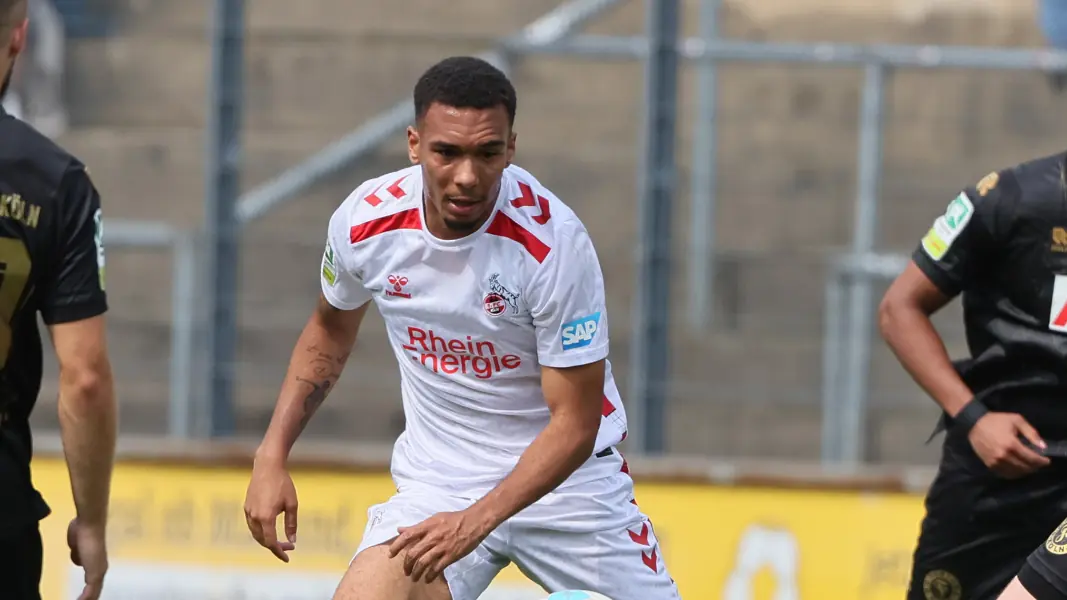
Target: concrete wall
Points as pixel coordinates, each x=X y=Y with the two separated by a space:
x=749 y=386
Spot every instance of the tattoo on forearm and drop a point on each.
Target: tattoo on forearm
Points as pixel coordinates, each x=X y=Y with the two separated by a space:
x=314 y=399
x=326 y=368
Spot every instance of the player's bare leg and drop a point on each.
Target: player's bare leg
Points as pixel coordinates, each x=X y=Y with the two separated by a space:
x=375 y=576
x=1015 y=591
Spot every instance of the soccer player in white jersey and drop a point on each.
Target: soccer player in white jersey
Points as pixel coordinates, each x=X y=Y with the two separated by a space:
x=494 y=302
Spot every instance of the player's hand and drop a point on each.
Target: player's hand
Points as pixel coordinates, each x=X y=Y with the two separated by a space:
x=88 y=550
x=270 y=493
x=437 y=542
x=996 y=440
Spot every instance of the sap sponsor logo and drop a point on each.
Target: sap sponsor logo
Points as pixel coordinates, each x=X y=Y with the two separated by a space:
x=454 y=356
x=579 y=333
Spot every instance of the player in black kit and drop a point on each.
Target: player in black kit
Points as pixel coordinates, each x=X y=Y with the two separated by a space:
x=1044 y=575
x=51 y=264
x=999 y=489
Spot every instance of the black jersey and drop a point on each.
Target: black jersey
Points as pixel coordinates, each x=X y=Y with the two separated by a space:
x=1002 y=244
x=51 y=264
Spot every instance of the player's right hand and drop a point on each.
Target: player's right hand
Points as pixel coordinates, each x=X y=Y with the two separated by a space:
x=88 y=550
x=270 y=493
x=996 y=440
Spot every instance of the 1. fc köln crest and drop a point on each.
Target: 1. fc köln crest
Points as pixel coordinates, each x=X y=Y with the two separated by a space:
x=499 y=298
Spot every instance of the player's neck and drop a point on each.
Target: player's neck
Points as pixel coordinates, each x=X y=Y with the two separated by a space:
x=6 y=68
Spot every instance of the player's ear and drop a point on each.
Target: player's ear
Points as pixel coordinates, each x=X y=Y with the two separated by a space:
x=18 y=38
x=413 y=145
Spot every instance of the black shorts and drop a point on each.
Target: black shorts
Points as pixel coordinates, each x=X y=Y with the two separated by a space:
x=1045 y=573
x=979 y=528
x=21 y=561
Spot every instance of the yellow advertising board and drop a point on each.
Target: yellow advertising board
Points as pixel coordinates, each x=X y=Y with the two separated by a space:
x=179 y=533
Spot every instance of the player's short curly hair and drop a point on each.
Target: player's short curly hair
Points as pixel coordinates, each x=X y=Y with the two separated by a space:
x=464 y=82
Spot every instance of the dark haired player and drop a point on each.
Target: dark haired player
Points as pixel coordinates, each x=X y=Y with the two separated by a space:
x=494 y=302
x=51 y=264
x=1002 y=245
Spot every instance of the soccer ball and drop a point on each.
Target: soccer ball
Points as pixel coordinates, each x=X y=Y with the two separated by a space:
x=577 y=595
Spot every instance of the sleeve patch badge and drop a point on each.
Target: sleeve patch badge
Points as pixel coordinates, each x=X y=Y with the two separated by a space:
x=329 y=268
x=948 y=226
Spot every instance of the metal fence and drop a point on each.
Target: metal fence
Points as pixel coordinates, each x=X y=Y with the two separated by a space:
x=801 y=161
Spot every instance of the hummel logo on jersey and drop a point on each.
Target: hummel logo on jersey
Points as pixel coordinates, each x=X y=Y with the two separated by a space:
x=579 y=333
x=397 y=282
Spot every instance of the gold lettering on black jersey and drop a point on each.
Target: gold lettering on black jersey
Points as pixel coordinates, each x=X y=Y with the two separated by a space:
x=14 y=275
x=987 y=184
x=1059 y=239
x=12 y=206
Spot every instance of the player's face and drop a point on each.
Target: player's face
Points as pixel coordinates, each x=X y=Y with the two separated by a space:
x=463 y=153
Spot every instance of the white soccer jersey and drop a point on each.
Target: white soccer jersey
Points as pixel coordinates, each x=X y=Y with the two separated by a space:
x=472 y=320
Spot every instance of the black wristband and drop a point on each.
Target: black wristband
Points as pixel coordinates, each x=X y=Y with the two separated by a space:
x=969 y=415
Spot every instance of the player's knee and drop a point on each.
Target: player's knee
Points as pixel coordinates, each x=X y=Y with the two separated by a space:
x=373 y=575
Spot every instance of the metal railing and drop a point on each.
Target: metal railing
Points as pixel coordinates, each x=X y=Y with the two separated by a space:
x=181 y=244
x=548 y=30
x=849 y=288
x=847 y=352
x=849 y=291
x=184 y=409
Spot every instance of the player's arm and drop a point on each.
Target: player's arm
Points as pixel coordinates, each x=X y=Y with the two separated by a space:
x=574 y=396
x=73 y=309
x=314 y=368
x=957 y=247
x=568 y=292
x=904 y=320
x=962 y=242
x=324 y=345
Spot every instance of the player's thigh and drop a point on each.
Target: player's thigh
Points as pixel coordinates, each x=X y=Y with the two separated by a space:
x=1044 y=576
x=1015 y=591
x=21 y=557
x=373 y=575
x=594 y=539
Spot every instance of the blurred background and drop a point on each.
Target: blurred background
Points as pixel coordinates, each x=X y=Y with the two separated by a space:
x=752 y=172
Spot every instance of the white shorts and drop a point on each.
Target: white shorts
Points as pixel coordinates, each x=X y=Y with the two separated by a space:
x=590 y=536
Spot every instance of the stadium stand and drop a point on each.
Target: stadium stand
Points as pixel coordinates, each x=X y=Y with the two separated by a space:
x=750 y=386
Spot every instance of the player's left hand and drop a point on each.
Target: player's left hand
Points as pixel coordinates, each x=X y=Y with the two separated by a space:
x=437 y=542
